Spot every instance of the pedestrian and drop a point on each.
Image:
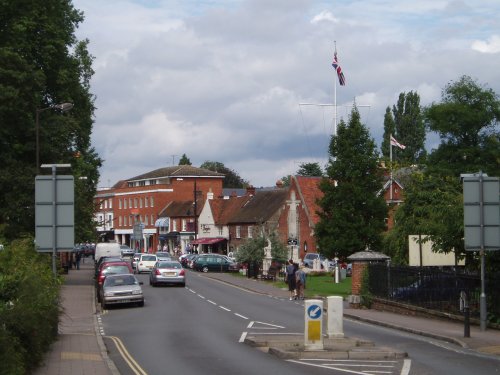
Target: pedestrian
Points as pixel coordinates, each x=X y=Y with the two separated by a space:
x=300 y=281
x=290 y=279
x=78 y=257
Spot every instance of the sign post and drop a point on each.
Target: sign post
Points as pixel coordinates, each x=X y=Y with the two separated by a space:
x=481 y=222
x=313 y=337
x=54 y=212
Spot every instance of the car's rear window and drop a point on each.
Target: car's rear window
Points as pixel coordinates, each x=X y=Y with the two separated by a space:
x=121 y=280
x=148 y=258
x=175 y=265
x=116 y=269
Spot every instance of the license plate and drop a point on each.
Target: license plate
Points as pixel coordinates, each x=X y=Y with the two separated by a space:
x=168 y=273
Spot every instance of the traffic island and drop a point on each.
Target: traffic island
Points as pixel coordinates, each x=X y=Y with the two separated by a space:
x=292 y=347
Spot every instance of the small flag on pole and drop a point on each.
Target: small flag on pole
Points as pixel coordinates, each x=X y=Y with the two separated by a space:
x=337 y=67
x=396 y=143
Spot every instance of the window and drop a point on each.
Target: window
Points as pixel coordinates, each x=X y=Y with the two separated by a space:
x=120 y=203
x=106 y=203
x=111 y=203
x=152 y=220
x=125 y=203
x=152 y=202
x=238 y=231
x=146 y=201
x=146 y=220
x=140 y=202
x=130 y=203
x=184 y=225
x=142 y=183
x=250 y=230
x=174 y=224
x=152 y=182
x=135 y=202
x=120 y=221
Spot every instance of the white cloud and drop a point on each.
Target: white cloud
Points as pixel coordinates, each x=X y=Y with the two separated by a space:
x=492 y=45
x=222 y=81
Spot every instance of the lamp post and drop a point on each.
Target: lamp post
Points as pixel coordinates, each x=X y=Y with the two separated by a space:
x=63 y=107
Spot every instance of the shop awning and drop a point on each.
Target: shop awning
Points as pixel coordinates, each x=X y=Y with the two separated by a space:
x=207 y=241
x=162 y=222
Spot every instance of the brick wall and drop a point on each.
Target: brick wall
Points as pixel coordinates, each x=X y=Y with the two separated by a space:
x=357 y=277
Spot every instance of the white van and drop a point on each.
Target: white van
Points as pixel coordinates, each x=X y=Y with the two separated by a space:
x=107 y=249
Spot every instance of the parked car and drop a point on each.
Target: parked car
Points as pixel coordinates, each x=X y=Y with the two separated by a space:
x=121 y=288
x=309 y=259
x=99 y=263
x=146 y=262
x=186 y=259
x=126 y=251
x=111 y=268
x=167 y=272
x=214 y=263
x=163 y=255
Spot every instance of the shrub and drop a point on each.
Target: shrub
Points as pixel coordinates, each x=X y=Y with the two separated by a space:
x=29 y=307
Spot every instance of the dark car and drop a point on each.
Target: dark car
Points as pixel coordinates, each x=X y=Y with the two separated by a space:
x=214 y=263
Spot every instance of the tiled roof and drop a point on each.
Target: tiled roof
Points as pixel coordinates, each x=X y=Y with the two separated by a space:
x=260 y=207
x=224 y=209
x=177 y=171
x=309 y=192
x=181 y=209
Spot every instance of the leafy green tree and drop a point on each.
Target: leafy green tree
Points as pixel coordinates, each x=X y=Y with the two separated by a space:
x=433 y=208
x=184 y=160
x=310 y=169
x=352 y=215
x=467 y=122
x=407 y=126
x=232 y=179
x=37 y=72
x=389 y=128
x=252 y=250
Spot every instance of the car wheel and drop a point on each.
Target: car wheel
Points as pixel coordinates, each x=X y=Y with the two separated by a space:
x=205 y=269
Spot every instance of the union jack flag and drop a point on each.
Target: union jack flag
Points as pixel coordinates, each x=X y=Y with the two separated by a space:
x=337 y=67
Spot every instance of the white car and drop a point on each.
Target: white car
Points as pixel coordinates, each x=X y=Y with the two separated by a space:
x=146 y=262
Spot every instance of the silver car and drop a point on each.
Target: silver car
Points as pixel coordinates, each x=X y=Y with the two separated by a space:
x=121 y=288
x=167 y=272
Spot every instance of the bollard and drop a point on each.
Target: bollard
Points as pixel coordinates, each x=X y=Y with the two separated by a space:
x=467 y=322
x=313 y=330
x=335 y=314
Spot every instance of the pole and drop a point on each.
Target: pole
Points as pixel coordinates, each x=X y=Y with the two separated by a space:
x=54 y=219
x=482 y=300
x=335 y=96
x=390 y=158
x=37 y=131
x=195 y=212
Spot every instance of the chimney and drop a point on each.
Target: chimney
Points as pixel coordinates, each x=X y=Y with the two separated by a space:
x=250 y=190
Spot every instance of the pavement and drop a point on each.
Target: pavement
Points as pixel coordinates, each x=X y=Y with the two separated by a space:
x=80 y=348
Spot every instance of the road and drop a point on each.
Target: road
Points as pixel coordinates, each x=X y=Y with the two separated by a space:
x=199 y=328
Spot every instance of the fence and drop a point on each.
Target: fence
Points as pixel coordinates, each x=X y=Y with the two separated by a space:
x=433 y=288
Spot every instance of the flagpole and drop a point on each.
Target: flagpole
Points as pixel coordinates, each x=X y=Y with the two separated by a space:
x=390 y=156
x=335 y=95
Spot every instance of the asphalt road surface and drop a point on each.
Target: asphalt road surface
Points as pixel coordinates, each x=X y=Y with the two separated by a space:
x=199 y=329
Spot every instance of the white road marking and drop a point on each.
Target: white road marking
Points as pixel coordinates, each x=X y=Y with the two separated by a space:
x=243 y=337
x=212 y=302
x=224 y=308
x=406 y=367
x=241 y=316
x=199 y=295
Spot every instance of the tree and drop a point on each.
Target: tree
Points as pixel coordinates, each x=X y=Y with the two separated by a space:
x=352 y=214
x=433 y=208
x=38 y=72
x=232 y=179
x=184 y=160
x=310 y=169
x=407 y=126
x=467 y=122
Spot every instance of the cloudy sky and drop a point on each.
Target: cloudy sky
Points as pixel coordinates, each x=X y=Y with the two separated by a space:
x=228 y=81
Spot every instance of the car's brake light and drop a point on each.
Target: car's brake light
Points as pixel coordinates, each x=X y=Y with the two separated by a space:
x=157 y=272
x=181 y=273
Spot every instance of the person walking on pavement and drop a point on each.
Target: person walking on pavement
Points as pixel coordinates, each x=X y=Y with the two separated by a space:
x=300 y=280
x=78 y=257
x=290 y=279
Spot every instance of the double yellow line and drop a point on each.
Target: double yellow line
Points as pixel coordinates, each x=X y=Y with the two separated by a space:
x=134 y=366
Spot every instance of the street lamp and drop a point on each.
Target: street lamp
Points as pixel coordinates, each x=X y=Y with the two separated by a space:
x=63 y=107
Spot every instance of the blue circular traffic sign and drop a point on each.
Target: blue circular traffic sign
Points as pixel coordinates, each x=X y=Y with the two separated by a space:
x=314 y=311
